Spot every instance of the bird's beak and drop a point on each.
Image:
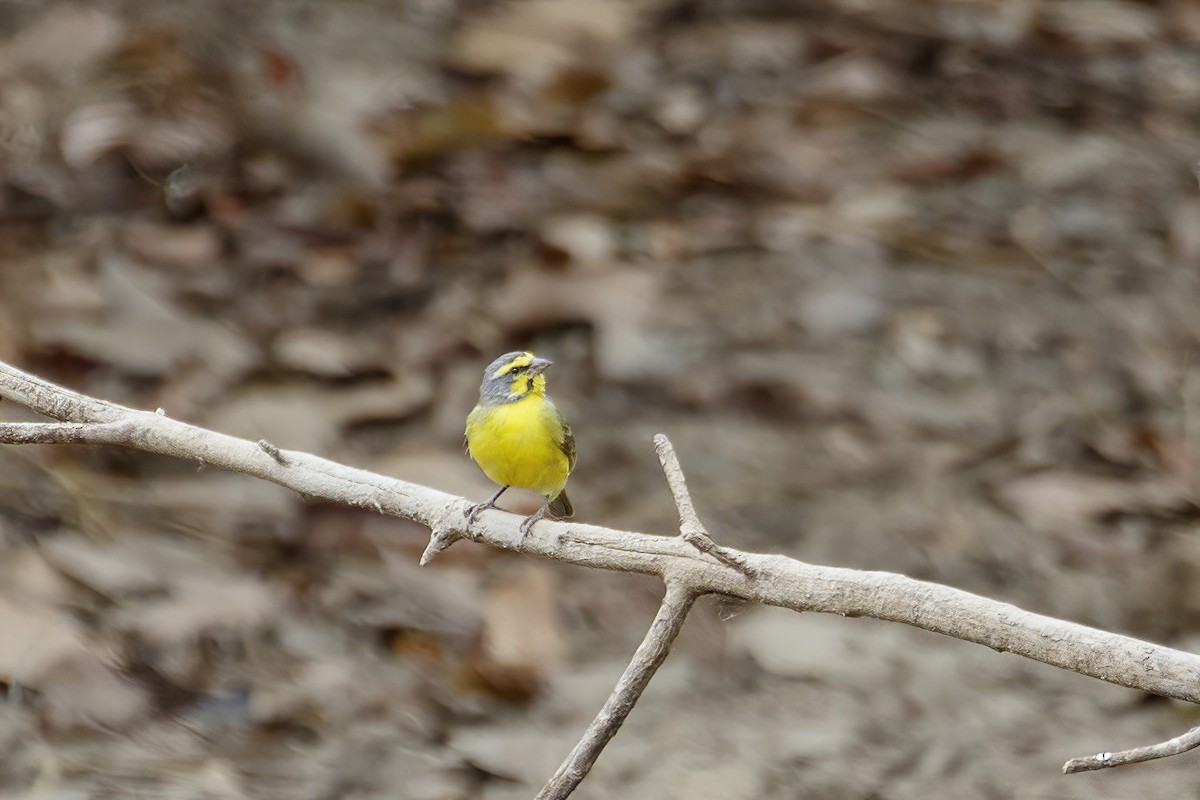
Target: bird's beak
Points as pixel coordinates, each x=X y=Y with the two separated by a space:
x=539 y=365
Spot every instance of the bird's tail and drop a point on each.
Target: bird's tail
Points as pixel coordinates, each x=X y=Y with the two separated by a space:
x=560 y=507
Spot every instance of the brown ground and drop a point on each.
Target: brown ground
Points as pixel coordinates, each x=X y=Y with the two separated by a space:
x=911 y=285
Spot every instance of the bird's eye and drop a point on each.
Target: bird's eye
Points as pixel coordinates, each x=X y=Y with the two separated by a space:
x=517 y=369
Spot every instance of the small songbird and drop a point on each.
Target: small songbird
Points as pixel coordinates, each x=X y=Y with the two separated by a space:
x=518 y=437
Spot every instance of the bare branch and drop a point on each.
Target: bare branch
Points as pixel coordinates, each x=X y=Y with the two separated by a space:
x=60 y=433
x=768 y=579
x=1171 y=747
x=690 y=528
x=646 y=660
x=688 y=519
x=53 y=400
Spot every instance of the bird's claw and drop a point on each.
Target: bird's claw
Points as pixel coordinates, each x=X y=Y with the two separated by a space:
x=528 y=523
x=472 y=513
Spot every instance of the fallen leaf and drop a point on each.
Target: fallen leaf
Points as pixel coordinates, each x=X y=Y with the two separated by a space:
x=1051 y=500
x=536 y=40
x=521 y=625
x=619 y=303
x=44 y=649
x=190 y=248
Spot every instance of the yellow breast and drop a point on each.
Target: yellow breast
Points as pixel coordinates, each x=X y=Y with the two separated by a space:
x=519 y=444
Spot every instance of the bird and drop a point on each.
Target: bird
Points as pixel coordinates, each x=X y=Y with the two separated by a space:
x=518 y=437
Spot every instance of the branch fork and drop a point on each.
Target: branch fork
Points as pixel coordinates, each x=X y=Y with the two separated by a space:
x=691 y=530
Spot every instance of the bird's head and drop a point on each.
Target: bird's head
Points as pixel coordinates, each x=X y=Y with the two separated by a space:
x=512 y=377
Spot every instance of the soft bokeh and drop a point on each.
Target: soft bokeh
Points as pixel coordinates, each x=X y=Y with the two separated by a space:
x=911 y=286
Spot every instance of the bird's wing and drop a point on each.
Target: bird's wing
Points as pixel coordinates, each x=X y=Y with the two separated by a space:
x=472 y=419
x=568 y=440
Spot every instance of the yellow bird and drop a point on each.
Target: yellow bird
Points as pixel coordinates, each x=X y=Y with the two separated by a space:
x=518 y=437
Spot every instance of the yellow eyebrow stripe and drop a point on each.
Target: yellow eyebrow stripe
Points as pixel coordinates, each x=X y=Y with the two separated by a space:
x=523 y=360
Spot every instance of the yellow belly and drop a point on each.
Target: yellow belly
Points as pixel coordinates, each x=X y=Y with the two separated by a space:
x=519 y=444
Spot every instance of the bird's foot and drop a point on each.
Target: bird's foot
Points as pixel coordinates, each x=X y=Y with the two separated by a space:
x=473 y=512
x=528 y=523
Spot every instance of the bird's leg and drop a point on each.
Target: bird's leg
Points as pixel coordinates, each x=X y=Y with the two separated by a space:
x=528 y=522
x=475 y=510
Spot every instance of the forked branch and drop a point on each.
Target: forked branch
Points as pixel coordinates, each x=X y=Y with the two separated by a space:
x=654 y=648
x=690 y=528
x=690 y=564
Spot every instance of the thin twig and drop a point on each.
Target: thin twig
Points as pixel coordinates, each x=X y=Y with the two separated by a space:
x=688 y=519
x=690 y=528
x=272 y=450
x=439 y=539
x=1171 y=747
x=646 y=660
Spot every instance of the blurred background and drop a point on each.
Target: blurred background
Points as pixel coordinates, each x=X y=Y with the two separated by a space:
x=911 y=286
